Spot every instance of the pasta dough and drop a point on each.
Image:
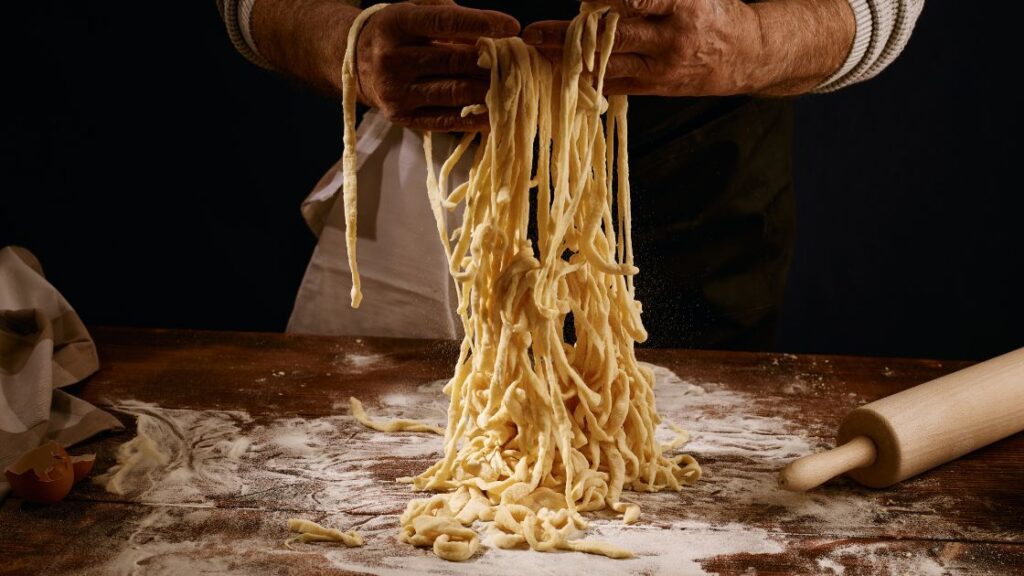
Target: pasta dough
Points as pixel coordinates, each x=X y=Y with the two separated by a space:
x=398 y=425
x=348 y=158
x=540 y=428
x=313 y=532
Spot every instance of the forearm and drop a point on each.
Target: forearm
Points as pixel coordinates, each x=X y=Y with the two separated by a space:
x=304 y=39
x=802 y=42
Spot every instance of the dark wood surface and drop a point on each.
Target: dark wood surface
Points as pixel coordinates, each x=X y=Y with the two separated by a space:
x=965 y=517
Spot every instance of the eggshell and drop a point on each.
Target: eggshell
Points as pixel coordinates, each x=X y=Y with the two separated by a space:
x=42 y=475
x=82 y=465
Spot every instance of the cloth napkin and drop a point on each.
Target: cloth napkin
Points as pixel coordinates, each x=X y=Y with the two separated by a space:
x=43 y=347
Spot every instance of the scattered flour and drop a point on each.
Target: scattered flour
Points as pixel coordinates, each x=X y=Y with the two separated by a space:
x=832 y=566
x=721 y=421
x=363 y=361
x=151 y=550
x=179 y=456
x=894 y=562
x=328 y=470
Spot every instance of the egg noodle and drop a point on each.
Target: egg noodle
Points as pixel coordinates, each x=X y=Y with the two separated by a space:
x=540 y=428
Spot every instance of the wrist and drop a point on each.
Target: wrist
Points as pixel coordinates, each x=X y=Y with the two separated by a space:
x=864 y=29
x=304 y=39
x=753 y=54
x=802 y=42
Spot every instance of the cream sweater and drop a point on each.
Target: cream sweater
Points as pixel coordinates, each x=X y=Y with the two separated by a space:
x=883 y=30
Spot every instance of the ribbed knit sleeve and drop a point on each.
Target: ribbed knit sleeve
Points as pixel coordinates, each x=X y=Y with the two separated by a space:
x=883 y=30
x=236 y=15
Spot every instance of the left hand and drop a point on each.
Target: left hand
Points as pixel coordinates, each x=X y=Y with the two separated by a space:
x=674 y=47
x=416 y=62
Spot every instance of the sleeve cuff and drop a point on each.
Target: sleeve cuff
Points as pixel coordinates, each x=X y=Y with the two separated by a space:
x=861 y=42
x=237 y=18
x=890 y=24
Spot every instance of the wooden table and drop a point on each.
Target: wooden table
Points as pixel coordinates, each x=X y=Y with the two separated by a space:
x=257 y=429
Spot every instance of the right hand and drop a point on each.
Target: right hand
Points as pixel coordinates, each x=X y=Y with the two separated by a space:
x=673 y=47
x=417 y=63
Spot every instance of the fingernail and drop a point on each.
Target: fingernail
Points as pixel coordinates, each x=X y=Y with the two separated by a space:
x=533 y=36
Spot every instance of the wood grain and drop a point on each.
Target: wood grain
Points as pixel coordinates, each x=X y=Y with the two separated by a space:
x=963 y=517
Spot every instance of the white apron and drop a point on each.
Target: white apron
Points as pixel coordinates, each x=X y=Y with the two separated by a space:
x=407 y=292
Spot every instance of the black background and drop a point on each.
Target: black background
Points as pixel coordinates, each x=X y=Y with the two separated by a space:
x=157 y=175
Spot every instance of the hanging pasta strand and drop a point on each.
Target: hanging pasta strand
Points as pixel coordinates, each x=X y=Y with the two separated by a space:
x=541 y=430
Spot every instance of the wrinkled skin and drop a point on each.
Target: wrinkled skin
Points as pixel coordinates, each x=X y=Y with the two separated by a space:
x=717 y=47
x=672 y=48
x=417 y=62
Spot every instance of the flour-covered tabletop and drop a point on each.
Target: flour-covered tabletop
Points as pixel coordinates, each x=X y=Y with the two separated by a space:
x=243 y=431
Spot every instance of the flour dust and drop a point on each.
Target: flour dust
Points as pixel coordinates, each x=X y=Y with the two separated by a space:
x=194 y=467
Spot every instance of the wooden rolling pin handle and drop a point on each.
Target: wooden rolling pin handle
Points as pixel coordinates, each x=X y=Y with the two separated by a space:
x=810 y=471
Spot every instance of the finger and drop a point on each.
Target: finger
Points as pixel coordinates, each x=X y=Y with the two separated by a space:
x=638 y=36
x=546 y=33
x=629 y=66
x=456 y=22
x=448 y=60
x=649 y=7
x=446 y=92
x=441 y=120
x=553 y=54
x=631 y=35
x=627 y=86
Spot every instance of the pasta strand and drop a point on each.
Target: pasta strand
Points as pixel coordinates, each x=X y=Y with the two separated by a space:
x=540 y=429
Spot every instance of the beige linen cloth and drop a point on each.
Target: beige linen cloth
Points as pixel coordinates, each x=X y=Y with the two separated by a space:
x=407 y=289
x=43 y=347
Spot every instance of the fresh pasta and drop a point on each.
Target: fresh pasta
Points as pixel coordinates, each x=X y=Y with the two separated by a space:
x=540 y=428
x=309 y=532
x=348 y=157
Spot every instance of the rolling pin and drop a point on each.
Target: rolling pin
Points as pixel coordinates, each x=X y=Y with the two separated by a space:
x=892 y=439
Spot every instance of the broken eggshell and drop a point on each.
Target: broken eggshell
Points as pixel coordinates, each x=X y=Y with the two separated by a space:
x=46 y=473
x=82 y=465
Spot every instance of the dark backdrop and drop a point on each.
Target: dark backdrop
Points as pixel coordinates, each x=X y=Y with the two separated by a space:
x=157 y=175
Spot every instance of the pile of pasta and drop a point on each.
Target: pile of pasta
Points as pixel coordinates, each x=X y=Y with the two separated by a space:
x=540 y=429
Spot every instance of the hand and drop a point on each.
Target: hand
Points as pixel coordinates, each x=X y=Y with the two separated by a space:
x=671 y=47
x=417 y=63
x=717 y=47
